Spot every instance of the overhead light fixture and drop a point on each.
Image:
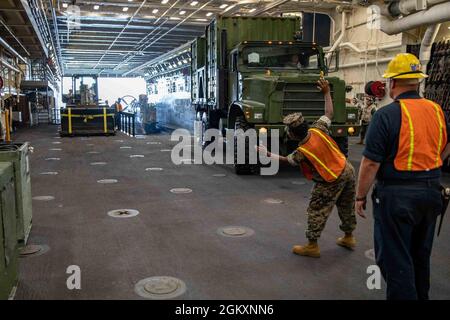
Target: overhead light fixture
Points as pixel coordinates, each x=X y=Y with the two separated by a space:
x=209 y=14
x=65 y=5
x=201 y=20
x=96 y=7
x=174 y=18
x=155 y=11
x=164 y=1
x=223 y=6
x=252 y=10
x=125 y=9
x=194 y=3
x=182 y=12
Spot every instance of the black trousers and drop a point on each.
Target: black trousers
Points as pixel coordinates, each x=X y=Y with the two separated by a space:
x=405 y=221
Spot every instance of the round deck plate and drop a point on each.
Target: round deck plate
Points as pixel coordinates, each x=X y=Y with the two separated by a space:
x=235 y=231
x=98 y=163
x=50 y=173
x=160 y=288
x=154 y=142
x=180 y=190
x=107 y=181
x=154 y=169
x=125 y=147
x=33 y=250
x=137 y=156
x=273 y=201
x=370 y=254
x=56 y=142
x=93 y=152
x=53 y=159
x=123 y=213
x=299 y=183
x=55 y=149
x=44 y=198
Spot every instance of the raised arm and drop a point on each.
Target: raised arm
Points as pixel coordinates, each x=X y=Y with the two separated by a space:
x=324 y=86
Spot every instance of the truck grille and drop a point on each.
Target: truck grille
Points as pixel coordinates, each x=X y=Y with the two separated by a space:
x=304 y=98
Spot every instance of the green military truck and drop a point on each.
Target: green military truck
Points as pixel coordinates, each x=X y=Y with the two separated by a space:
x=249 y=72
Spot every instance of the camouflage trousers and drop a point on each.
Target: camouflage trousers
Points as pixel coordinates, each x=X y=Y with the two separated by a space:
x=325 y=195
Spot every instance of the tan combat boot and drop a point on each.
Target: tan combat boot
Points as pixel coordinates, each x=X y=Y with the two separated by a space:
x=348 y=241
x=310 y=250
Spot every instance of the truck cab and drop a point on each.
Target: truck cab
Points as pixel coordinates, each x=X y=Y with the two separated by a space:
x=268 y=80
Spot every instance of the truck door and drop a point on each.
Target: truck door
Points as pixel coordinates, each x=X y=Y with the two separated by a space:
x=233 y=77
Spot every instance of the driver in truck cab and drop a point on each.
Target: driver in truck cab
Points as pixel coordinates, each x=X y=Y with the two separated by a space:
x=334 y=177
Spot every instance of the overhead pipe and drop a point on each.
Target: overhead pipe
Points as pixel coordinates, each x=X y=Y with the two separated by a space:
x=269 y=7
x=8 y=65
x=10 y=49
x=120 y=33
x=407 y=7
x=437 y=14
x=358 y=50
x=427 y=43
x=369 y=62
x=425 y=48
x=341 y=36
x=14 y=36
x=163 y=35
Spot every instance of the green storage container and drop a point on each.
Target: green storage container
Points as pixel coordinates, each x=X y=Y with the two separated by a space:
x=9 y=257
x=17 y=153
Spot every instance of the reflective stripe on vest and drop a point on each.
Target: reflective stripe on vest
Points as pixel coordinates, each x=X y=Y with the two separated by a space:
x=422 y=136
x=324 y=154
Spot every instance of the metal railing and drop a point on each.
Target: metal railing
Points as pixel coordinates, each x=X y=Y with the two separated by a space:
x=127 y=123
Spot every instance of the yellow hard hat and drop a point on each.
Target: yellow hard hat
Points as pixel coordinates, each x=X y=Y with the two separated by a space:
x=404 y=66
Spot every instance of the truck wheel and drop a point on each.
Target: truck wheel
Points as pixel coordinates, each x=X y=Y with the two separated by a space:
x=342 y=142
x=246 y=168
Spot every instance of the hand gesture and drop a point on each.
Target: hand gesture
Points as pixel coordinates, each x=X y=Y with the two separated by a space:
x=263 y=150
x=323 y=85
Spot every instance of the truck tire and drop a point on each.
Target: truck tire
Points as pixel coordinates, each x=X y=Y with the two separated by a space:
x=247 y=168
x=342 y=142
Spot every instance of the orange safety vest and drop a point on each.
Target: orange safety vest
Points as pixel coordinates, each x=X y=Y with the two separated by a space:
x=423 y=136
x=324 y=154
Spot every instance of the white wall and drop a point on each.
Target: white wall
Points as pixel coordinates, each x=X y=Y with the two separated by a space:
x=359 y=34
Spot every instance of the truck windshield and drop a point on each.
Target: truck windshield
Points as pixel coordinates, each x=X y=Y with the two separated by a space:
x=281 y=57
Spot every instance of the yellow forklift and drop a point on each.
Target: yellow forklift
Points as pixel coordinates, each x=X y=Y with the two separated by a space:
x=83 y=115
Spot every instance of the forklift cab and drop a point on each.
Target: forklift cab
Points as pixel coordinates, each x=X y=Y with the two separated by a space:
x=84 y=91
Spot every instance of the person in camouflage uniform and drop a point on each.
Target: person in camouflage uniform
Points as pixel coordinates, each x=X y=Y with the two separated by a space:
x=327 y=192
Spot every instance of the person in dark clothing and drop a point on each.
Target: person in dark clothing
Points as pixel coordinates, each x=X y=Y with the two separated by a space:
x=405 y=146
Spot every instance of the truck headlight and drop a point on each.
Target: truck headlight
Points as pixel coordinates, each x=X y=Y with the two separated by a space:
x=262 y=130
x=351 y=131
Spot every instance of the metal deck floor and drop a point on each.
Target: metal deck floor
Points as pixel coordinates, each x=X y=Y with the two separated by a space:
x=176 y=234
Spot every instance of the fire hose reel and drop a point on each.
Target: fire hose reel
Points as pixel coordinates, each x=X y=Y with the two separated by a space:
x=376 y=89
